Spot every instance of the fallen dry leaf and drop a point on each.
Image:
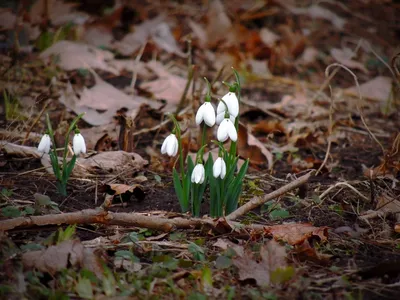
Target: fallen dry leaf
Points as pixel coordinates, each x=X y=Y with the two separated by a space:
x=124 y=191
x=315 y=11
x=268 y=37
x=156 y=29
x=250 y=147
x=168 y=86
x=378 y=88
x=73 y=56
x=100 y=102
x=304 y=252
x=273 y=256
x=296 y=233
x=344 y=56
x=110 y=162
x=224 y=244
x=59 y=257
x=58 y=11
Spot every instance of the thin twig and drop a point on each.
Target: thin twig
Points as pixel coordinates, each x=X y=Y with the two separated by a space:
x=257 y=201
x=323 y=195
x=137 y=60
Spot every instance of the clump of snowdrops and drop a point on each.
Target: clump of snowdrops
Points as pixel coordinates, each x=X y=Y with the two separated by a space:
x=221 y=176
x=62 y=168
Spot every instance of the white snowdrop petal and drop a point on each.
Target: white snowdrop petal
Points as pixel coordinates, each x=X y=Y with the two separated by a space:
x=200 y=114
x=222 y=133
x=231 y=131
x=220 y=117
x=45 y=143
x=219 y=168
x=223 y=169
x=164 y=146
x=232 y=102
x=170 y=145
x=78 y=144
x=209 y=114
x=198 y=174
x=221 y=108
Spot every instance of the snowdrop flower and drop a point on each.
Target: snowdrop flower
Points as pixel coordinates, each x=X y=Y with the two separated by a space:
x=231 y=102
x=170 y=145
x=219 y=168
x=78 y=143
x=198 y=174
x=45 y=143
x=226 y=129
x=206 y=112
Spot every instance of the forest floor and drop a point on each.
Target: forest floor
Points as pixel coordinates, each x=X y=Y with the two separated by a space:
x=320 y=93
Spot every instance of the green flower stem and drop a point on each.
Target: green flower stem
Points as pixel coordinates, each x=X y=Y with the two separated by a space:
x=204 y=136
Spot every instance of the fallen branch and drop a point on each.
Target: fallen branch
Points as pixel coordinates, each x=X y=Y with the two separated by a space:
x=100 y=216
x=257 y=201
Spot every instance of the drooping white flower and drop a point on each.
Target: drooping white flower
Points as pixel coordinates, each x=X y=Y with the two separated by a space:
x=170 y=145
x=206 y=112
x=78 y=144
x=219 y=168
x=226 y=129
x=198 y=174
x=45 y=143
x=232 y=102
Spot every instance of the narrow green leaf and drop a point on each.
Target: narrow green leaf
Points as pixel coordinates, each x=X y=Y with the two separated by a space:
x=69 y=167
x=179 y=190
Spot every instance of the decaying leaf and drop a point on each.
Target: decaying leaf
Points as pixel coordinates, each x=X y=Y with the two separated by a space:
x=100 y=102
x=73 y=56
x=378 y=88
x=273 y=257
x=58 y=11
x=157 y=29
x=123 y=190
x=110 y=162
x=168 y=86
x=59 y=257
x=250 y=147
x=315 y=11
x=344 y=56
x=296 y=233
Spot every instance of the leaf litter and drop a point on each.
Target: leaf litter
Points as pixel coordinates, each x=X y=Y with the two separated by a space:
x=340 y=223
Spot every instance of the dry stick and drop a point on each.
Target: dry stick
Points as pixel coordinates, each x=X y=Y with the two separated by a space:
x=135 y=72
x=100 y=216
x=257 y=201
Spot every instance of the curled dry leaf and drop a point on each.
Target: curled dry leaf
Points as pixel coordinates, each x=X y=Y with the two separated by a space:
x=296 y=233
x=273 y=257
x=111 y=162
x=250 y=147
x=59 y=257
x=124 y=191
x=345 y=57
